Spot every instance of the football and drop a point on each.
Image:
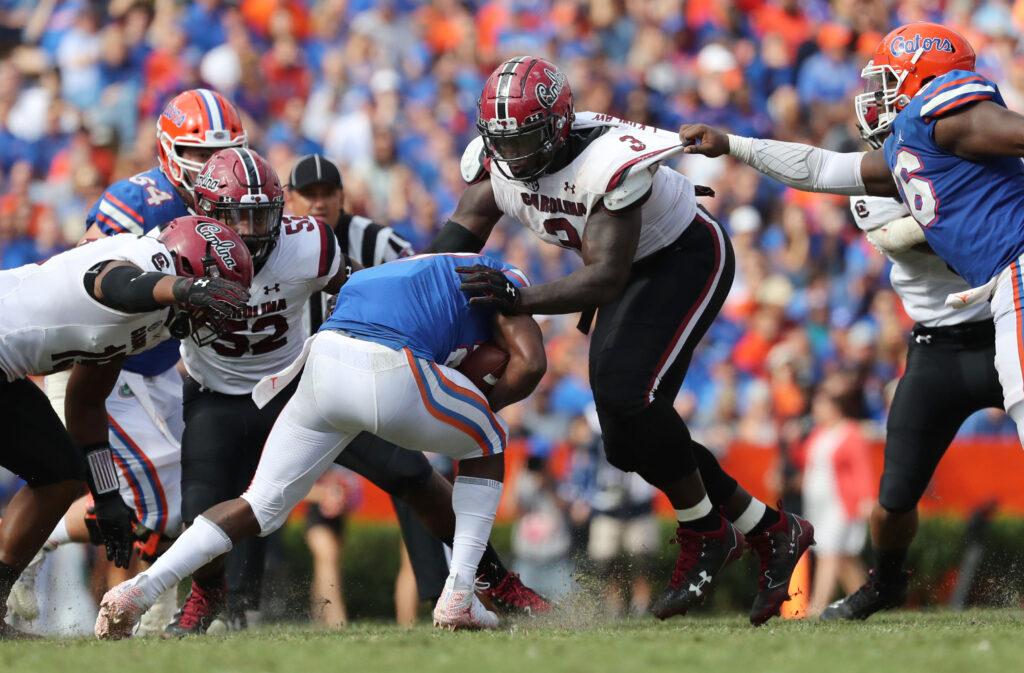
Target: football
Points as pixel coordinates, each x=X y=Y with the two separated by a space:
x=485 y=365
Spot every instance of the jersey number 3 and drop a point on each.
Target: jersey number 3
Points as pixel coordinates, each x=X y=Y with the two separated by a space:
x=918 y=192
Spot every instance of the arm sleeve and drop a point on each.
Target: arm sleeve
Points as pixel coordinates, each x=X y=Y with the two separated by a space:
x=126 y=288
x=803 y=167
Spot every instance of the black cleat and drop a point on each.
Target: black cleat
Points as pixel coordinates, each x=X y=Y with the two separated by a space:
x=701 y=557
x=195 y=616
x=869 y=599
x=778 y=548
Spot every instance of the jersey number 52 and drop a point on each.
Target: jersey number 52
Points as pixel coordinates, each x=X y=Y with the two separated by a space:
x=235 y=345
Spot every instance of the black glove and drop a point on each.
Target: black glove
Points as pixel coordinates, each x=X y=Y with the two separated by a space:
x=116 y=522
x=114 y=518
x=219 y=297
x=490 y=287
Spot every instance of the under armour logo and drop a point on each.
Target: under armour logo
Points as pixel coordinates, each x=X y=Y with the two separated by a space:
x=704 y=579
x=510 y=288
x=772 y=584
x=923 y=338
x=569 y=188
x=202 y=282
x=267 y=289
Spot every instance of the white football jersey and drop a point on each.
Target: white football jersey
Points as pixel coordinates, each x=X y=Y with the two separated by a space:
x=270 y=335
x=613 y=171
x=48 y=321
x=921 y=279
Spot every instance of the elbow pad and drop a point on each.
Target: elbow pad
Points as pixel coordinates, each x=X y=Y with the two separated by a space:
x=454 y=237
x=129 y=289
x=803 y=167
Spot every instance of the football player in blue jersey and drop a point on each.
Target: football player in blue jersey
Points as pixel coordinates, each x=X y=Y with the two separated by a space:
x=952 y=152
x=373 y=368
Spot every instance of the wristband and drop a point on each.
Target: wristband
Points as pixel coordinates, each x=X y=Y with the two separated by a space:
x=102 y=476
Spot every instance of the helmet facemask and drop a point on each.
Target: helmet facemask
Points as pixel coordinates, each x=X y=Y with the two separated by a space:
x=185 y=170
x=256 y=220
x=524 y=152
x=883 y=92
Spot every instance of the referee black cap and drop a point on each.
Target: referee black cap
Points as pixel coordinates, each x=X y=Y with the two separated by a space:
x=314 y=168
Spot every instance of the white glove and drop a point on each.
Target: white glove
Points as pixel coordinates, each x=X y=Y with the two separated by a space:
x=897 y=236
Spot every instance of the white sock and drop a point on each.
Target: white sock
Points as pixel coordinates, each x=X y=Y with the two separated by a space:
x=698 y=511
x=202 y=542
x=59 y=535
x=751 y=516
x=475 y=502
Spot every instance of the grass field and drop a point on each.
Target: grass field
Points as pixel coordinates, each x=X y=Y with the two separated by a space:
x=929 y=642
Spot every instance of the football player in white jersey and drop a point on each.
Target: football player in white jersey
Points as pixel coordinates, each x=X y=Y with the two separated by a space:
x=294 y=257
x=145 y=405
x=89 y=308
x=657 y=269
x=950 y=374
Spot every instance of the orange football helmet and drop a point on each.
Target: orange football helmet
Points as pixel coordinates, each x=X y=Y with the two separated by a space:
x=903 y=63
x=195 y=118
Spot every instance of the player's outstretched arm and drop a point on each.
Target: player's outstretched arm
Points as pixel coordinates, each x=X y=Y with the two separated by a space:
x=471 y=223
x=125 y=287
x=803 y=167
x=981 y=130
x=521 y=338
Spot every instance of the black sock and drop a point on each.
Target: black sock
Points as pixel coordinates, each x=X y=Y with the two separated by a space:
x=889 y=565
x=768 y=519
x=215 y=582
x=491 y=569
x=711 y=521
x=8 y=576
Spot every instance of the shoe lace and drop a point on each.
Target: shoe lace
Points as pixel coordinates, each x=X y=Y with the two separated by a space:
x=691 y=544
x=764 y=547
x=200 y=603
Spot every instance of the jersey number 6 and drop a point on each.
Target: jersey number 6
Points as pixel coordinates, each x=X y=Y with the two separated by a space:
x=918 y=193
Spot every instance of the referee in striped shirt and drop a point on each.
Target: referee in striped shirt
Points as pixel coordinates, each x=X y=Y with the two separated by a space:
x=315 y=188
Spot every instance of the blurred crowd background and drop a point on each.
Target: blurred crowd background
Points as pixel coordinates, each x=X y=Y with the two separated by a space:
x=388 y=89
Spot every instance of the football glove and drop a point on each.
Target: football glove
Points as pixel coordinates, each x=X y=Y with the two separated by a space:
x=116 y=522
x=489 y=287
x=217 y=296
x=114 y=518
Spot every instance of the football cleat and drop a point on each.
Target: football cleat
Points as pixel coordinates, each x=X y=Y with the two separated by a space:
x=461 y=609
x=778 y=549
x=23 y=601
x=200 y=609
x=702 y=556
x=231 y=618
x=512 y=597
x=869 y=599
x=120 y=609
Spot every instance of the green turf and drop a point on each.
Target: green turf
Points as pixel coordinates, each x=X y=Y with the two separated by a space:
x=932 y=642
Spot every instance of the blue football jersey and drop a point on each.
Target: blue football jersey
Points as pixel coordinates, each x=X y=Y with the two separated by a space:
x=972 y=212
x=137 y=205
x=416 y=303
